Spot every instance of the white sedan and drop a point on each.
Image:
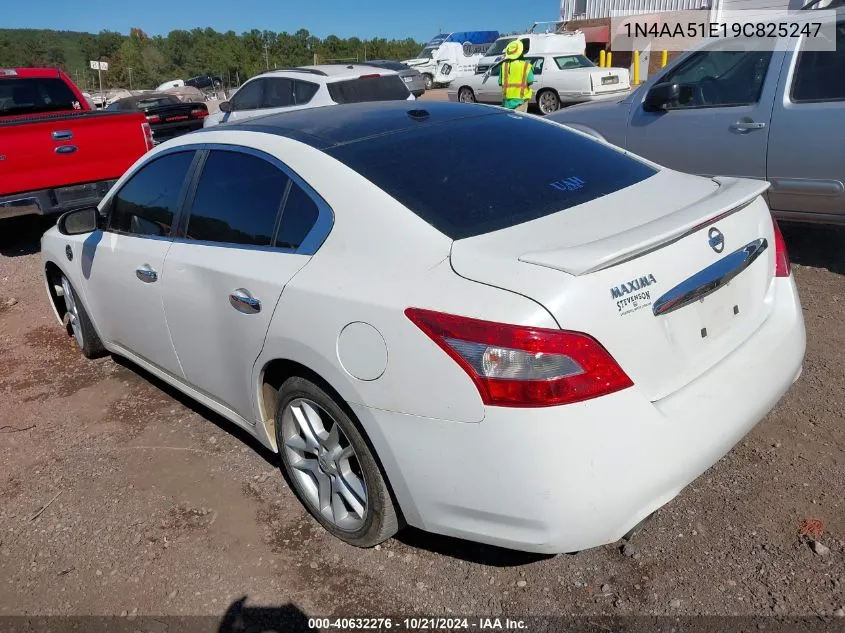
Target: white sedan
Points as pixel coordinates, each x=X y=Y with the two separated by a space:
x=558 y=79
x=532 y=354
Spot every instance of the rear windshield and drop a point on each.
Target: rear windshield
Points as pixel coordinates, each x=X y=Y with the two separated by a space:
x=35 y=95
x=490 y=172
x=382 y=88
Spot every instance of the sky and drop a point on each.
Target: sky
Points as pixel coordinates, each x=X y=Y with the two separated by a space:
x=420 y=19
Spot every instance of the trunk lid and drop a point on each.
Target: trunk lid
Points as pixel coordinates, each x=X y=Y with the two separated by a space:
x=642 y=271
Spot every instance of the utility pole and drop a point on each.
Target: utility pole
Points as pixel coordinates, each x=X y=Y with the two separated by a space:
x=266 y=57
x=130 y=78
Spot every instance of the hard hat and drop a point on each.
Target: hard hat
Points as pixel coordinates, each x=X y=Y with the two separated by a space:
x=514 y=50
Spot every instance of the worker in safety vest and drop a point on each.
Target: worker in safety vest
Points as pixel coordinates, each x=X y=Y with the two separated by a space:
x=515 y=77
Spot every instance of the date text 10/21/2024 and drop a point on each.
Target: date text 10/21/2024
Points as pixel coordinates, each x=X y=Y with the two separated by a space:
x=417 y=624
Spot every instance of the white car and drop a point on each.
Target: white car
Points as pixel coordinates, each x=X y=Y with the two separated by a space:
x=560 y=78
x=532 y=354
x=310 y=87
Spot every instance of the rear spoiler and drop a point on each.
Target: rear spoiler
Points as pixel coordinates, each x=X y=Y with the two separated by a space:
x=732 y=196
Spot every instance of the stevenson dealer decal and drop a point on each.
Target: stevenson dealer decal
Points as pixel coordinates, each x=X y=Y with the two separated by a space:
x=633 y=295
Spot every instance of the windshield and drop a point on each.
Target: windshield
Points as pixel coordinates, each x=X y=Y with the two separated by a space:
x=489 y=192
x=565 y=62
x=427 y=52
x=498 y=47
x=33 y=96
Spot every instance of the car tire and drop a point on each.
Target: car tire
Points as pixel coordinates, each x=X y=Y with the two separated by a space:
x=548 y=101
x=78 y=323
x=348 y=496
x=429 y=81
x=466 y=95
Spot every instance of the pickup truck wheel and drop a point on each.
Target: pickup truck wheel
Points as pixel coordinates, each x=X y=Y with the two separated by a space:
x=331 y=466
x=78 y=324
x=548 y=101
x=466 y=95
x=429 y=81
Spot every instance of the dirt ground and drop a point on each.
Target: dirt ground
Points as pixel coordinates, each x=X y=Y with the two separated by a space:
x=119 y=496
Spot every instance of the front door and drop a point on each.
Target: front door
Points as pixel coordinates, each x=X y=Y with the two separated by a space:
x=720 y=126
x=247 y=222
x=810 y=117
x=124 y=264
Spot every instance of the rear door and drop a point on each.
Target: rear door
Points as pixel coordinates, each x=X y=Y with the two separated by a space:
x=721 y=125
x=811 y=110
x=249 y=230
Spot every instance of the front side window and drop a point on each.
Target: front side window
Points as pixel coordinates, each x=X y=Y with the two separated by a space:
x=820 y=75
x=536 y=64
x=237 y=200
x=716 y=77
x=565 y=62
x=249 y=96
x=427 y=53
x=278 y=93
x=147 y=203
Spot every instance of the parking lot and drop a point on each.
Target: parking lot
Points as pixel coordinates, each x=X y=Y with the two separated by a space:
x=120 y=496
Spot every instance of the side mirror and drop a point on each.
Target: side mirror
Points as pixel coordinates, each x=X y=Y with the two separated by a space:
x=225 y=106
x=662 y=97
x=79 y=221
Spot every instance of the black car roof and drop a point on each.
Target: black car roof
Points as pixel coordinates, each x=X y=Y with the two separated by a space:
x=329 y=126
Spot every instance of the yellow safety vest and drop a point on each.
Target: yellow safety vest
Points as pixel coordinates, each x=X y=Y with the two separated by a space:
x=515 y=80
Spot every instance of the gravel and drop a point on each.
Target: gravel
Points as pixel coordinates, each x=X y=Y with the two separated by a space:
x=137 y=469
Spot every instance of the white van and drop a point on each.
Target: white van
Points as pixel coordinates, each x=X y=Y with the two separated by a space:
x=451 y=55
x=567 y=43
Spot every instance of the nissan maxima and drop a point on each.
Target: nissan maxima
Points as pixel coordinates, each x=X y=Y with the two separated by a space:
x=533 y=350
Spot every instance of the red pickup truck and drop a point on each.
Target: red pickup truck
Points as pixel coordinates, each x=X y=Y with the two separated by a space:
x=56 y=153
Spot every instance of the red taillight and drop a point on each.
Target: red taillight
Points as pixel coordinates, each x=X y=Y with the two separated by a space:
x=153 y=118
x=373 y=76
x=782 y=266
x=148 y=135
x=516 y=366
x=199 y=113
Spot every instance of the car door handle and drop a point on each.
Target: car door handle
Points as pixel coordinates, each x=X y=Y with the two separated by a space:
x=62 y=135
x=242 y=301
x=146 y=274
x=744 y=125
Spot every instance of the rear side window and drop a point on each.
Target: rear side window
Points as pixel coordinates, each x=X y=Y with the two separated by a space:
x=147 y=202
x=382 y=88
x=33 y=96
x=237 y=200
x=304 y=91
x=299 y=215
x=820 y=75
x=490 y=172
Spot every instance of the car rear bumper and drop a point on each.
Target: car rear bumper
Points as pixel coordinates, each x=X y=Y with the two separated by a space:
x=569 y=478
x=54 y=201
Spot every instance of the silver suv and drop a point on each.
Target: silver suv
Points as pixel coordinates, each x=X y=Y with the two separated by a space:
x=777 y=116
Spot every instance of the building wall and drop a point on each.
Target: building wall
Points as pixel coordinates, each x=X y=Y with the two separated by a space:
x=592 y=9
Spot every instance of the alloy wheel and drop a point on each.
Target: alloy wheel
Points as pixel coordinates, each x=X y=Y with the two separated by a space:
x=465 y=95
x=549 y=102
x=325 y=465
x=72 y=313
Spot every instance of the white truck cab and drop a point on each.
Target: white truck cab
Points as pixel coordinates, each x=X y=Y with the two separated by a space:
x=448 y=56
x=569 y=42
